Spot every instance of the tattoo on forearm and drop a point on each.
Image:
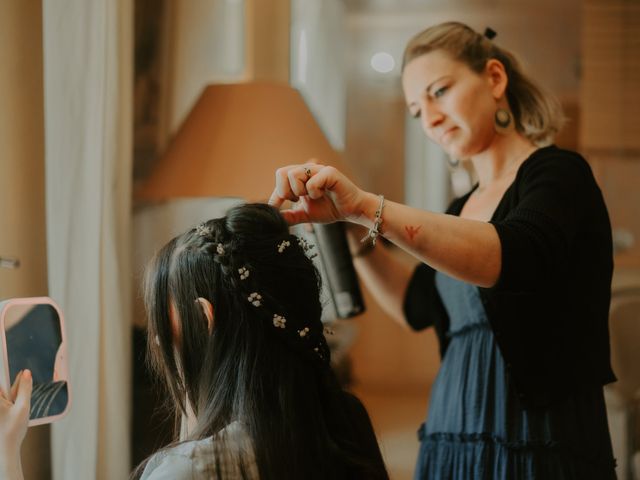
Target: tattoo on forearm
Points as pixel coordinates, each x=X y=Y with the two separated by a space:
x=412 y=231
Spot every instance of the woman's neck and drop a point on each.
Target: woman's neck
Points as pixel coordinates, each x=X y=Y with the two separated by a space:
x=502 y=159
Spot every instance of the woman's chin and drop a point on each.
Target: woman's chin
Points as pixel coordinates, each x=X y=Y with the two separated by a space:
x=453 y=152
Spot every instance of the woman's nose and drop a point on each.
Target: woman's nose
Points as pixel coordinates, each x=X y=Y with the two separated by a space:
x=431 y=116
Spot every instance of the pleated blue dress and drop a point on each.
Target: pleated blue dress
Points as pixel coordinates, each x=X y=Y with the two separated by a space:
x=476 y=427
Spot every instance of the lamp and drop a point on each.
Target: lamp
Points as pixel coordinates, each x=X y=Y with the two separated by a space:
x=232 y=142
x=230 y=145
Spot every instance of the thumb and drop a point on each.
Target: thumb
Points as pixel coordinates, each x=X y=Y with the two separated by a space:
x=294 y=217
x=23 y=397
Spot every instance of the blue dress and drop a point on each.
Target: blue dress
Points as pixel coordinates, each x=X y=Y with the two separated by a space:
x=477 y=428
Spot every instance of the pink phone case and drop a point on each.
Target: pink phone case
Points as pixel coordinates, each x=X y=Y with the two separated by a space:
x=61 y=368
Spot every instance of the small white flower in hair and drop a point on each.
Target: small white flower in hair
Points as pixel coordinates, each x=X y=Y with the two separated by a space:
x=303 y=332
x=220 y=249
x=279 y=321
x=284 y=244
x=304 y=244
x=204 y=230
x=244 y=273
x=255 y=299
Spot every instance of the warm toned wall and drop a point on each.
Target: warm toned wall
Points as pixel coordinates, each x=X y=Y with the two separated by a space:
x=610 y=101
x=22 y=212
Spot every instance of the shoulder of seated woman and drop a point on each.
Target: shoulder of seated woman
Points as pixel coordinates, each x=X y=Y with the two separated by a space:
x=234 y=437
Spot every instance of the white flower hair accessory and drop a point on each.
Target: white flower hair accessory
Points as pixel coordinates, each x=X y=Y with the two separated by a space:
x=244 y=273
x=220 y=249
x=255 y=299
x=204 y=230
x=284 y=244
x=306 y=246
x=303 y=332
x=279 y=321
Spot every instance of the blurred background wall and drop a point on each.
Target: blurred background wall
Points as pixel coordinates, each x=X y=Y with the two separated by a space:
x=22 y=212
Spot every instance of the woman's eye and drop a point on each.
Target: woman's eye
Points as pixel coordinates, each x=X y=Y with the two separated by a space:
x=439 y=92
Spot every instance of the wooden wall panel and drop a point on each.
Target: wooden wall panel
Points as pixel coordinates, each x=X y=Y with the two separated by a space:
x=610 y=90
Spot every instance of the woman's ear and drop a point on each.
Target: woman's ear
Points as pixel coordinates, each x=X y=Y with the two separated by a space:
x=497 y=77
x=207 y=308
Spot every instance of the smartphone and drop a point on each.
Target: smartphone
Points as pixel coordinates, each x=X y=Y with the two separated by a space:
x=33 y=337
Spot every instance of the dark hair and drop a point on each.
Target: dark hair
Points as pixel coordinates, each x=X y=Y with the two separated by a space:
x=537 y=114
x=276 y=380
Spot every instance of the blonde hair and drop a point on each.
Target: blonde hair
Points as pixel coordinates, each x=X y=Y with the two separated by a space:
x=537 y=114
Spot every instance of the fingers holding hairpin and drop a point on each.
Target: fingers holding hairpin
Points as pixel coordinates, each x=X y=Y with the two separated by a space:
x=299 y=176
x=291 y=182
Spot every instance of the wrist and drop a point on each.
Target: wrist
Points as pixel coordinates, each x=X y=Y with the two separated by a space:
x=367 y=211
x=11 y=467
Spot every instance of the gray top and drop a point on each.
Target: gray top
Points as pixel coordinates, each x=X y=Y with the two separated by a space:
x=228 y=454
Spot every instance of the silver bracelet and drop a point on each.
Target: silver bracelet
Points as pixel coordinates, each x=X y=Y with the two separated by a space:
x=374 y=230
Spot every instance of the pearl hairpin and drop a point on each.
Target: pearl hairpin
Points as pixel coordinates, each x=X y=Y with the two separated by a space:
x=279 y=321
x=244 y=273
x=204 y=230
x=303 y=332
x=255 y=299
x=284 y=244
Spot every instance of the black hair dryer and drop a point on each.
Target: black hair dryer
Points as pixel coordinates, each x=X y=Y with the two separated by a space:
x=339 y=274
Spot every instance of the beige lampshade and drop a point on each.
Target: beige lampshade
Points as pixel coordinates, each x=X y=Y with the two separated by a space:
x=232 y=142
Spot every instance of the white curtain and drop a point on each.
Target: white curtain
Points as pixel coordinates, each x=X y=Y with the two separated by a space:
x=88 y=76
x=318 y=38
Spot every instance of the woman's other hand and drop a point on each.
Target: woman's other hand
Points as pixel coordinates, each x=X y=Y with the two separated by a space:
x=14 y=417
x=322 y=194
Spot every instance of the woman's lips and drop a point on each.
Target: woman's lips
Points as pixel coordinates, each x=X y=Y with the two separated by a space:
x=447 y=134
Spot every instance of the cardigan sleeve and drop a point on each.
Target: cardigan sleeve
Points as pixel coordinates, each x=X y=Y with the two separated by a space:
x=552 y=198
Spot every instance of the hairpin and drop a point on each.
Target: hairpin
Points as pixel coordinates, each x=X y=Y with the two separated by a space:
x=244 y=273
x=255 y=299
x=490 y=33
x=303 y=332
x=220 y=249
x=279 y=321
x=304 y=244
x=284 y=244
x=204 y=230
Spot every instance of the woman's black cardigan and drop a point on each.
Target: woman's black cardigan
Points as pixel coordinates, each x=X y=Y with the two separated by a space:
x=549 y=309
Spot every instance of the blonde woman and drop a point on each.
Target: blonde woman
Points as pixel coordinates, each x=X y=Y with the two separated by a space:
x=515 y=277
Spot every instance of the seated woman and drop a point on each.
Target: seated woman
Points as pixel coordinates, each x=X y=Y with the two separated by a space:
x=234 y=330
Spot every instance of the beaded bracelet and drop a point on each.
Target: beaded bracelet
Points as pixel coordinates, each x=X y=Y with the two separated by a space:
x=374 y=230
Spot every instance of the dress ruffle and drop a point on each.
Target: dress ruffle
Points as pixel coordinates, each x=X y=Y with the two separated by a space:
x=477 y=429
x=445 y=456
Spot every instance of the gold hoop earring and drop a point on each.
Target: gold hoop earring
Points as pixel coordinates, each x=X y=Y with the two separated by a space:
x=502 y=120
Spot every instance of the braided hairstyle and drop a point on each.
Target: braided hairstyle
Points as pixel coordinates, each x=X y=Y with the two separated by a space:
x=265 y=360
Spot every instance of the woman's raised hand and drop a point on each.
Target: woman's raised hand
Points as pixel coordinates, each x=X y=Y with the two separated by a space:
x=14 y=417
x=322 y=194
